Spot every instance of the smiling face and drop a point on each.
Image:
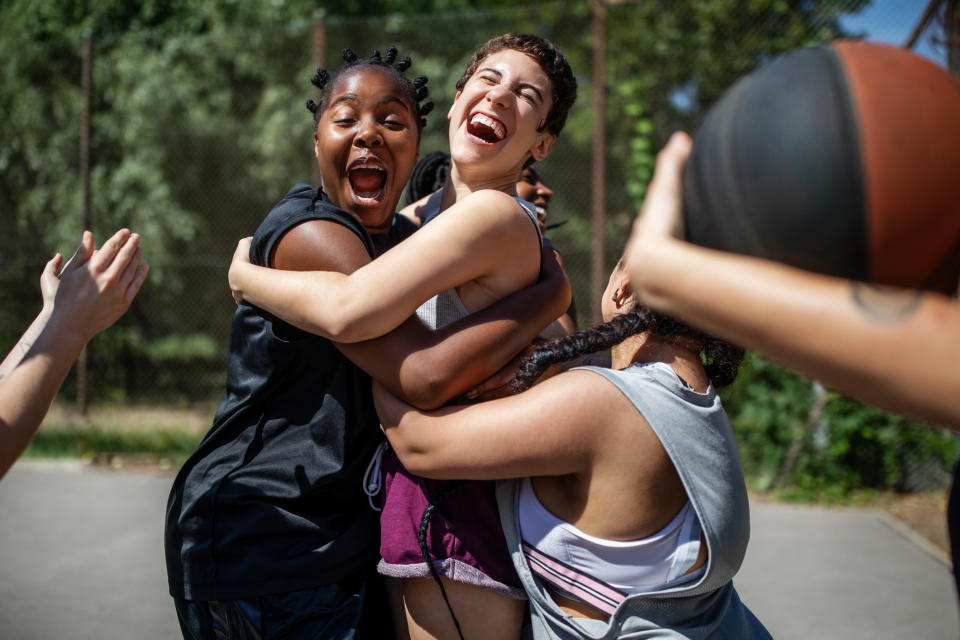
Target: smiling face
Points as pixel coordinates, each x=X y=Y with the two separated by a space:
x=366 y=143
x=530 y=187
x=495 y=118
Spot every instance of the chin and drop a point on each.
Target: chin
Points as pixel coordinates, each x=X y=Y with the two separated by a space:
x=374 y=219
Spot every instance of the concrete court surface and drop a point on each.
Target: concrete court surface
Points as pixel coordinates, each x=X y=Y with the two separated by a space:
x=81 y=557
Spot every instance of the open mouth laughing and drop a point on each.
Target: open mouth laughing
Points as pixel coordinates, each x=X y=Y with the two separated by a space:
x=368 y=180
x=487 y=128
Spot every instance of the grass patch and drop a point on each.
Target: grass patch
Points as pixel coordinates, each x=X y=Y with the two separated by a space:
x=173 y=445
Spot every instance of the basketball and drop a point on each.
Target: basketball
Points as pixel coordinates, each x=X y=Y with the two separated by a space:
x=840 y=159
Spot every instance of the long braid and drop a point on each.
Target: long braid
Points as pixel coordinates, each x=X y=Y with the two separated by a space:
x=432 y=506
x=597 y=338
x=721 y=359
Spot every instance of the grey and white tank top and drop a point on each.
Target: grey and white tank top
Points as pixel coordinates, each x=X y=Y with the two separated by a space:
x=697 y=436
x=446 y=306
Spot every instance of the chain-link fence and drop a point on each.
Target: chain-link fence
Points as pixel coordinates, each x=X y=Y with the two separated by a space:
x=194 y=137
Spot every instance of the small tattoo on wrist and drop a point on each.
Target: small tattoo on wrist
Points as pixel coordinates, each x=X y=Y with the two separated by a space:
x=885 y=304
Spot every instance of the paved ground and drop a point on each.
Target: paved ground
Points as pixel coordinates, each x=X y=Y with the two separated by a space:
x=81 y=558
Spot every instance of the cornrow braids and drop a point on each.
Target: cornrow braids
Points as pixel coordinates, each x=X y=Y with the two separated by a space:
x=415 y=90
x=432 y=506
x=721 y=360
x=429 y=174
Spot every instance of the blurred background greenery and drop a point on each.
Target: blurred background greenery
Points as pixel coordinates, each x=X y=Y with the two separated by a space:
x=198 y=127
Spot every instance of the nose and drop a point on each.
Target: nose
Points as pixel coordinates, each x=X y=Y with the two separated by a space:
x=500 y=95
x=368 y=134
x=544 y=192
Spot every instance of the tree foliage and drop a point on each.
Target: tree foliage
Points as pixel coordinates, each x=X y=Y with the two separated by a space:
x=199 y=126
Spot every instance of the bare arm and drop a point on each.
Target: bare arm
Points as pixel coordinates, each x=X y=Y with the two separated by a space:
x=469 y=242
x=430 y=368
x=91 y=294
x=49 y=282
x=539 y=432
x=426 y=367
x=893 y=348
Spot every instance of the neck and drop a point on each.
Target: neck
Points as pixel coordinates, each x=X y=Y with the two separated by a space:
x=681 y=354
x=462 y=183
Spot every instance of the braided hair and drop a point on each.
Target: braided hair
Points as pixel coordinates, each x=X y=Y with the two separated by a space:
x=415 y=90
x=429 y=174
x=721 y=359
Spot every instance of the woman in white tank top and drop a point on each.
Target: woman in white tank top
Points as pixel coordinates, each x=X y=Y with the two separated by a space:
x=635 y=494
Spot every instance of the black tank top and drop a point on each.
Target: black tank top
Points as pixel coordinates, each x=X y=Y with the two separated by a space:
x=272 y=499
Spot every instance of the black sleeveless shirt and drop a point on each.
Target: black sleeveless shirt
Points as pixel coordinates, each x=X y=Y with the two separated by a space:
x=272 y=499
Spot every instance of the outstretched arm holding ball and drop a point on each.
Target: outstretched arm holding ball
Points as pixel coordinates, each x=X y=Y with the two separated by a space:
x=91 y=292
x=894 y=348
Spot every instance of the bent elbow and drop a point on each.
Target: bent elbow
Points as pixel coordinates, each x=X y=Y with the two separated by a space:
x=427 y=382
x=412 y=459
x=429 y=392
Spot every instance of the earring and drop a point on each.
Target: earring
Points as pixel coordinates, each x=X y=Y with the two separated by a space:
x=619 y=295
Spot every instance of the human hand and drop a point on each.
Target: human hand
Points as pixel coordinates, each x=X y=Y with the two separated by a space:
x=553 y=274
x=498 y=385
x=241 y=256
x=95 y=287
x=50 y=278
x=661 y=216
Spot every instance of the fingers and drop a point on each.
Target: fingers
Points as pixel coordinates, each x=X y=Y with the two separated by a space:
x=242 y=252
x=661 y=215
x=82 y=254
x=52 y=267
x=240 y=256
x=127 y=269
x=669 y=169
x=103 y=258
x=138 y=279
x=124 y=261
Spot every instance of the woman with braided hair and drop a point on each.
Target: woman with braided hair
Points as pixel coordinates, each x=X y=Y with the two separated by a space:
x=511 y=104
x=632 y=517
x=269 y=529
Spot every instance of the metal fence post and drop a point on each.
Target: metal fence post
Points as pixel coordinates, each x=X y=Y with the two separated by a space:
x=319 y=60
x=86 y=88
x=598 y=197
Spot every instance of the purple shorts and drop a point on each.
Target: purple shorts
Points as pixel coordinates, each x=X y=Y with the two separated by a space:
x=465 y=539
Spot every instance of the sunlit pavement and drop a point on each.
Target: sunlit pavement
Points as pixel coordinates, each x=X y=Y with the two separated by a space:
x=81 y=556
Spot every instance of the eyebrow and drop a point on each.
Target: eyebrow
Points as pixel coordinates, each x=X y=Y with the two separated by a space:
x=390 y=99
x=352 y=97
x=523 y=85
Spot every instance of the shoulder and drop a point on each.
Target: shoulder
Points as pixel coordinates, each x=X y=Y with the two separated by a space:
x=492 y=198
x=489 y=207
x=298 y=198
x=580 y=389
x=320 y=245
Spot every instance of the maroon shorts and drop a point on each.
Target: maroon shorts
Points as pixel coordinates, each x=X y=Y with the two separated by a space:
x=465 y=539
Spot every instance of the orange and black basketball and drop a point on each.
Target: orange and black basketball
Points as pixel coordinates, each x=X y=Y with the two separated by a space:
x=842 y=159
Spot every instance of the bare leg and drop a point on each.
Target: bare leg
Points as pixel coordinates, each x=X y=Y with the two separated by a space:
x=481 y=613
x=394 y=587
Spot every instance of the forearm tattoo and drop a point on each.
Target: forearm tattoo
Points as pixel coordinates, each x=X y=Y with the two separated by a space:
x=885 y=304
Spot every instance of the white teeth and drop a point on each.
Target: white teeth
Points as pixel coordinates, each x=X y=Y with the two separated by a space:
x=498 y=128
x=541 y=211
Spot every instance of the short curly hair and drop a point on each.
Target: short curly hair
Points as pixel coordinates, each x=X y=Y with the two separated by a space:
x=550 y=59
